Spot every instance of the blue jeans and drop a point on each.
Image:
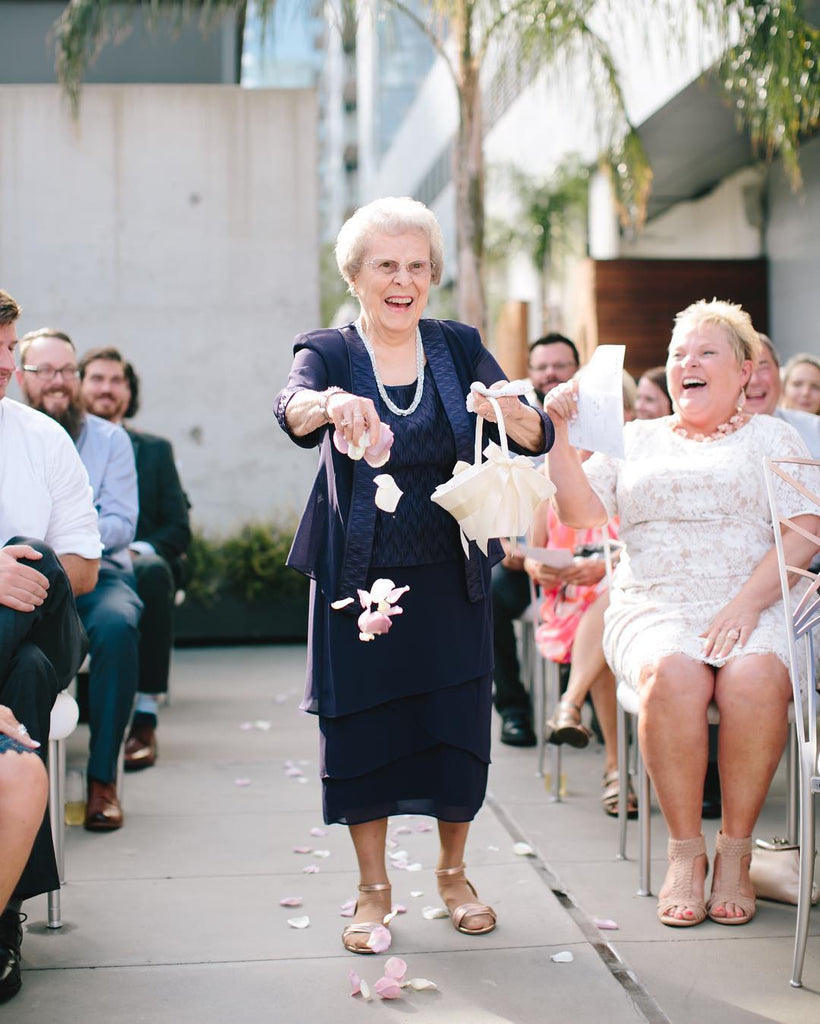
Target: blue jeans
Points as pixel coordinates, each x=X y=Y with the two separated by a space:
x=110 y=615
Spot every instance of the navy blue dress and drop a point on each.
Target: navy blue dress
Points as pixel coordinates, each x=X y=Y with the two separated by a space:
x=417 y=740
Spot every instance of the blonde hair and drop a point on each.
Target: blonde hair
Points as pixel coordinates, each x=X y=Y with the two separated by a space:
x=803 y=357
x=388 y=216
x=733 y=320
x=630 y=389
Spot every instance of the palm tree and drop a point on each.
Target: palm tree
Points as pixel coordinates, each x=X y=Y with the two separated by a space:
x=770 y=72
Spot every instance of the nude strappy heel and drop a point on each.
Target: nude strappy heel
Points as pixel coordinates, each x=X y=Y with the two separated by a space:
x=732 y=852
x=363 y=927
x=464 y=911
x=682 y=854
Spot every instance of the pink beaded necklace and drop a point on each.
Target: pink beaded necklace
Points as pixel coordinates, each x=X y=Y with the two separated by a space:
x=722 y=430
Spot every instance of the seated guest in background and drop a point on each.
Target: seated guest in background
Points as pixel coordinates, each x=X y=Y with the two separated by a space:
x=111 y=611
x=110 y=389
x=801 y=384
x=692 y=504
x=552 y=359
x=763 y=393
x=49 y=550
x=653 y=399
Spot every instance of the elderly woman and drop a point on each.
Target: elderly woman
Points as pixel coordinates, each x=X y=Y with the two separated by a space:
x=404 y=719
x=801 y=384
x=694 y=615
x=653 y=397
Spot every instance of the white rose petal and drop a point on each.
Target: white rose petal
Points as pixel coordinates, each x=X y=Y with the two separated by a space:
x=523 y=850
x=432 y=913
x=299 y=922
x=564 y=957
x=388 y=492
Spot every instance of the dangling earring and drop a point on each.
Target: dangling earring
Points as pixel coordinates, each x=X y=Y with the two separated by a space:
x=741 y=400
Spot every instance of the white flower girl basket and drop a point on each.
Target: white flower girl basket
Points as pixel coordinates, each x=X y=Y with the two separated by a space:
x=496 y=498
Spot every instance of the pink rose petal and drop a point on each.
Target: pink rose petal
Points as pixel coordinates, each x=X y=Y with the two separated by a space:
x=318 y=831
x=399 y=908
x=347 y=912
x=387 y=988
x=355 y=983
x=374 y=622
x=402 y=830
x=242 y=782
x=605 y=924
x=380 y=939
x=424 y=826
x=378 y=453
x=395 y=968
x=290 y=901
x=302 y=849
x=310 y=869
x=293 y=771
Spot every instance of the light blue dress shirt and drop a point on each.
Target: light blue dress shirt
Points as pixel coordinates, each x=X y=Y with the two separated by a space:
x=108 y=456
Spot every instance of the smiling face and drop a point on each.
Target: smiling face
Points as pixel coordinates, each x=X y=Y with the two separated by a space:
x=801 y=389
x=392 y=304
x=763 y=389
x=57 y=395
x=104 y=389
x=704 y=376
x=8 y=342
x=651 y=401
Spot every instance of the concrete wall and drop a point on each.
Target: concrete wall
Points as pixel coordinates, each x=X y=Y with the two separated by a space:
x=166 y=51
x=180 y=224
x=793 y=245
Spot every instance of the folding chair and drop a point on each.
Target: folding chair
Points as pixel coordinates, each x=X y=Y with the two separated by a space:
x=802 y=615
x=64 y=717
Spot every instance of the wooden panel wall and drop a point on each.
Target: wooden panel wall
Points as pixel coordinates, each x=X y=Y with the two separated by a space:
x=633 y=302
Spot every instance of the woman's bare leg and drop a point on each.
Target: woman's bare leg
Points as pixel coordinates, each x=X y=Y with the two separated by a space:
x=23 y=796
x=752 y=694
x=369 y=843
x=674 y=738
x=454 y=890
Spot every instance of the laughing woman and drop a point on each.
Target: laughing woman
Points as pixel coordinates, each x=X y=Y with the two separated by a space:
x=404 y=719
x=694 y=612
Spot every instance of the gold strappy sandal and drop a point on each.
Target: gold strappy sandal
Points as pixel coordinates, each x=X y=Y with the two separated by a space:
x=732 y=852
x=464 y=911
x=363 y=927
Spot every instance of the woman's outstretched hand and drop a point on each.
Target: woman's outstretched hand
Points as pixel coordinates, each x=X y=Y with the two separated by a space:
x=354 y=417
x=561 y=403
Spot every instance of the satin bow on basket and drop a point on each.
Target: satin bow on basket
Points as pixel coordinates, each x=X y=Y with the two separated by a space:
x=496 y=498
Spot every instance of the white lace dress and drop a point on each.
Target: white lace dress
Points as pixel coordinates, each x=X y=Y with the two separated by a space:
x=694 y=519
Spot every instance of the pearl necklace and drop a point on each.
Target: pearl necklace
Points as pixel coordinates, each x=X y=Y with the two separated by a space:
x=723 y=430
x=391 y=405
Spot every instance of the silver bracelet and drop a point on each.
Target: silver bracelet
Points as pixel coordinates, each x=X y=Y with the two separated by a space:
x=325 y=397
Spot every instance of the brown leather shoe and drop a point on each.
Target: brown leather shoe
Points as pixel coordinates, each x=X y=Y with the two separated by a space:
x=140 y=748
x=103 y=811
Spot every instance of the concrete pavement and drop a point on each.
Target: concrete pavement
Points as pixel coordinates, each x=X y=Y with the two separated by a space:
x=176 y=917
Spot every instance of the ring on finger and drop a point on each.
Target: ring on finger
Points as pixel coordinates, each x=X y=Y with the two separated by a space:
x=22 y=730
x=343 y=423
x=733 y=634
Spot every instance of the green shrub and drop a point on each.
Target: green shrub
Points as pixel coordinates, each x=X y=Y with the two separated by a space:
x=250 y=564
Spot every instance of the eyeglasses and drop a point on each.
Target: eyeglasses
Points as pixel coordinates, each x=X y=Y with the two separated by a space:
x=415 y=268
x=48 y=373
x=560 y=367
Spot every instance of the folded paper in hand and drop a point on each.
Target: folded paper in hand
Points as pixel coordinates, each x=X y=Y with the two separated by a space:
x=599 y=426
x=496 y=498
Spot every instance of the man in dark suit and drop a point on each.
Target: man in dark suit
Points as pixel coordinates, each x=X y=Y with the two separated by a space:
x=110 y=389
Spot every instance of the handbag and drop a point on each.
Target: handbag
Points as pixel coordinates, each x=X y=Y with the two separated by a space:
x=775 y=871
x=496 y=498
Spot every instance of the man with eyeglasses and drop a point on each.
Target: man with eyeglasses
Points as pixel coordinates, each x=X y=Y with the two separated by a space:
x=111 y=612
x=109 y=388
x=553 y=359
x=49 y=552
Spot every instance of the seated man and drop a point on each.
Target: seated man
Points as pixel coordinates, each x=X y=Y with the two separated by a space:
x=110 y=389
x=111 y=612
x=50 y=546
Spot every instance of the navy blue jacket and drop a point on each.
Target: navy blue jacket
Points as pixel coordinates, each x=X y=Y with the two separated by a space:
x=334 y=539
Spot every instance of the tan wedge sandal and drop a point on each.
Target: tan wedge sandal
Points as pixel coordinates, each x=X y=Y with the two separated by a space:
x=731 y=852
x=363 y=927
x=464 y=911
x=682 y=855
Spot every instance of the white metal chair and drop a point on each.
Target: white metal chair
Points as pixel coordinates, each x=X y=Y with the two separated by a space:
x=545 y=693
x=802 y=614
x=64 y=717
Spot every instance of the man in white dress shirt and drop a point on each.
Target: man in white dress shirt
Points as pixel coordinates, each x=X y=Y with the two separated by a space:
x=49 y=551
